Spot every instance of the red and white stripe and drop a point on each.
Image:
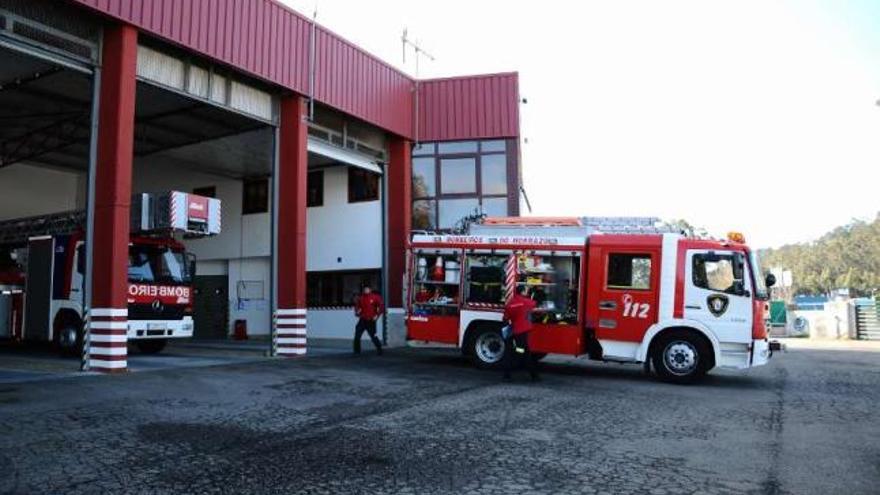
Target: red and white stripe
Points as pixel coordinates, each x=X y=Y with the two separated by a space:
x=108 y=339
x=510 y=277
x=174 y=205
x=290 y=332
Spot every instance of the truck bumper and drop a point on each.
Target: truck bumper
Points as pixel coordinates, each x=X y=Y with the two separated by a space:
x=762 y=351
x=160 y=329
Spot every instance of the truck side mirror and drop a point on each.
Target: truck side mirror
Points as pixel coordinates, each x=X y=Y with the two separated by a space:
x=770 y=280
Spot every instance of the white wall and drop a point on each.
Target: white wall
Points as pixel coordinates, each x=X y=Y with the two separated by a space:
x=338 y=229
x=27 y=190
x=351 y=232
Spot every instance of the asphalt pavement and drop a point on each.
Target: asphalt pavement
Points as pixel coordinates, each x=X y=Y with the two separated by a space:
x=425 y=421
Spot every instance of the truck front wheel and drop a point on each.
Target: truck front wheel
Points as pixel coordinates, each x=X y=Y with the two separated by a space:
x=151 y=346
x=487 y=348
x=680 y=357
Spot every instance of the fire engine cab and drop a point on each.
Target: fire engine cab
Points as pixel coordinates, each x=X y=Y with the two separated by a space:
x=613 y=289
x=43 y=266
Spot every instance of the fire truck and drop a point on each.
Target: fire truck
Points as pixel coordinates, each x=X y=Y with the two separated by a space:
x=613 y=289
x=43 y=266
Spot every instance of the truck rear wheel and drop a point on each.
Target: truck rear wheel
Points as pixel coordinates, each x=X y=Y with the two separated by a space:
x=151 y=346
x=69 y=339
x=487 y=348
x=680 y=357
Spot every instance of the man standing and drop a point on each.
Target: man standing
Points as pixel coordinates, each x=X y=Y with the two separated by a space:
x=518 y=314
x=368 y=308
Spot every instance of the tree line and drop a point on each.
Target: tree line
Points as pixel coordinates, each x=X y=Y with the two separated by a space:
x=846 y=257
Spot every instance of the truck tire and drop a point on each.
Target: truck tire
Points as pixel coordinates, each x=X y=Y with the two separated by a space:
x=487 y=348
x=680 y=356
x=69 y=338
x=151 y=346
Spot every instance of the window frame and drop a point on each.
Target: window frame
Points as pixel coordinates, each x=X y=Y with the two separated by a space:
x=633 y=255
x=310 y=183
x=337 y=277
x=246 y=207
x=477 y=156
x=367 y=173
x=732 y=289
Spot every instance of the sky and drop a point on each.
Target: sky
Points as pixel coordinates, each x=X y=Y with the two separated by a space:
x=758 y=116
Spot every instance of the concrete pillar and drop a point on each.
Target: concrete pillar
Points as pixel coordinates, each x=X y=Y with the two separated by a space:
x=115 y=148
x=289 y=320
x=399 y=199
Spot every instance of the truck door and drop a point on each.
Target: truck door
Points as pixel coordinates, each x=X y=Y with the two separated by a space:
x=622 y=291
x=38 y=289
x=718 y=294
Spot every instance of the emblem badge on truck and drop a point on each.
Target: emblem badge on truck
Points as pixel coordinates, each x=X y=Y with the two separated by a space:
x=717 y=304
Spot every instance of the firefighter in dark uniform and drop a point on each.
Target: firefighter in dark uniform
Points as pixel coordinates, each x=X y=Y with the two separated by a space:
x=518 y=314
x=368 y=308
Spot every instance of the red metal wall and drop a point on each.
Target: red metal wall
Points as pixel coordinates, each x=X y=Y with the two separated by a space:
x=469 y=107
x=270 y=41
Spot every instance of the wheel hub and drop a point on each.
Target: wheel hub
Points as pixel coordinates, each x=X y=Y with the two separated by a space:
x=490 y=347
x=680 y=357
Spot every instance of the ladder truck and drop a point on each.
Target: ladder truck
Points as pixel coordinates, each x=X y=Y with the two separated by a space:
x=614 y=289
x=43 y=265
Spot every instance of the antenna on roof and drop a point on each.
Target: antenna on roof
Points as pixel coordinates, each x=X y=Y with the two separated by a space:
x=419 y=52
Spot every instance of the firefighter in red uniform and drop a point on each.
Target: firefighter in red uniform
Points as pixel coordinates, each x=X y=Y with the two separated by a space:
x=368 y=308
x=518 y=314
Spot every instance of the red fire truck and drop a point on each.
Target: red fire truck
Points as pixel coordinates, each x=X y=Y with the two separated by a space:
x=43 y=264
x=611 y=290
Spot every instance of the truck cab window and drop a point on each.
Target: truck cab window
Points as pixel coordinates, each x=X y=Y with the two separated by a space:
x=629 y=271
x=139 y=269
x=720 y=273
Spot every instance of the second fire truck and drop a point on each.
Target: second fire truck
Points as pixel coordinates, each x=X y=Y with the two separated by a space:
x=678 y=304
x=43 y=266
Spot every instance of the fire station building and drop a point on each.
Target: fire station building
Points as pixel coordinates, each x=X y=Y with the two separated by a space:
x=324 y=157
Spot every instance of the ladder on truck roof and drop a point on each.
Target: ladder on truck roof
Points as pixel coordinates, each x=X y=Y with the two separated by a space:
x=19 y=230
x=570 y=226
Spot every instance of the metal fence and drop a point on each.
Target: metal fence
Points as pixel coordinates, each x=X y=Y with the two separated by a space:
x=867 y=319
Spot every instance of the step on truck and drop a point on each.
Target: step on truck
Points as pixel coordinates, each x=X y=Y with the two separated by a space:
x=43 y=266
x=613 y=289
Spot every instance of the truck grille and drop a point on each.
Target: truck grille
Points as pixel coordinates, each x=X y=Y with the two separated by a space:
x=146 y=312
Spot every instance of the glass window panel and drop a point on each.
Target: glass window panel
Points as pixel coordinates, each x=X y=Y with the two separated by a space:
x=629 y=271
x=423 y=178
x=422 y=149
x=424 y=215
x=458 y=176
x=452 y=211
x=494 y=174
x=492 y=146
x=495 y=207
x=362 y=185
x=315 y=188
x=457 y=147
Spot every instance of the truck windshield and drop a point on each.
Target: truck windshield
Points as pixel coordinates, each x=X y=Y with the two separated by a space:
x=155 y=264
x=760 y=286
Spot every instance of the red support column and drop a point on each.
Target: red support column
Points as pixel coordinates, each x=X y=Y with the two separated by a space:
x=108 y=319
x=399 y=216
x=289 y=337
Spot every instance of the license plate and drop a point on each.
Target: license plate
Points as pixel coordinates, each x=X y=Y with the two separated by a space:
x=155 y=326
